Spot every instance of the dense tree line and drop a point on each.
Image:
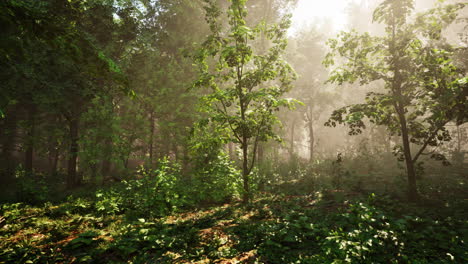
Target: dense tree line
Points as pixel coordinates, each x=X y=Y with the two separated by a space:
x=93 y=89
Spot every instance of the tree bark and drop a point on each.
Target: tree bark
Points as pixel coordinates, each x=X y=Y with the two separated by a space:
x=260 y=153
x=310 y=125
x=245 y=171
x=231 y=150
x=55 y=159
x=165 y=140
x=175 y=149
x=53 y=151
x=72 y=179
x=412 y=190
x=291 y=143
x=186 y=163
x=399 y=106
x=151 y=139
x=8 y=134
x=106 y=160
x=311 y=141
x=29 y=153
x=411 y=173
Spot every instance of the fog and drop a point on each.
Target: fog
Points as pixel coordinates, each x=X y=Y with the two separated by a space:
x=320 y=21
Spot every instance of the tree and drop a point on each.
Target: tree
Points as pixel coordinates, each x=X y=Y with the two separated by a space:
x=56 y=64
x=87 y=65
x=309 y=50
x=245 y=85
x=423 y=89
x=161 y=73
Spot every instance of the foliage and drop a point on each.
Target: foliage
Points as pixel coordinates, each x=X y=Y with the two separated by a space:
x=423 y=89
x=157 y=193
x=31 y=188
x=317 y=228
x=217 y=181
x=245 y=85
x=91 y=88
x=213 y=177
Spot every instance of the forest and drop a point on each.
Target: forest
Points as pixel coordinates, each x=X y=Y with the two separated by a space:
x=233 y=131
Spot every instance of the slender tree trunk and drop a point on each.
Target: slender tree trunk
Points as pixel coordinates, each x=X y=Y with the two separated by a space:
x=106 y=160
x=125 y=161
x=175 y=148
x=73 y=155
x=50 y=157
x=231 y=150
x=29 y=153
x=412 y=189
x=400 y=109
x=260 y=153
x=459 y=154
x=311 y=142
x=151 y=139
x=291 y=143
x=458 y=138
x=186 y=163
x=105 y=170
x=388 y=145
x=165 y=145
x=106 y=166
x=55 y=159
x=310 y=125
x=94 y=172
x=245 y=171
x=8 y=134
x=53 y=156
x=275 y=153
x=245 y=146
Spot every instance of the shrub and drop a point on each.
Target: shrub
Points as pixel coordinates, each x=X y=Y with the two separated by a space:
x=157 y=193
x=216 y=181
x=31 y=188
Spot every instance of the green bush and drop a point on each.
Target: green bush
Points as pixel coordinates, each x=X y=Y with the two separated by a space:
x=156 y=193
x=31 y=188
x=216 y=181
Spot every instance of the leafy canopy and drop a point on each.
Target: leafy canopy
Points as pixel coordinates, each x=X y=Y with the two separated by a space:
x=417 y=69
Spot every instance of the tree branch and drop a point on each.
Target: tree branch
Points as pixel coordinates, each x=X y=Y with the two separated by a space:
x=421 y=150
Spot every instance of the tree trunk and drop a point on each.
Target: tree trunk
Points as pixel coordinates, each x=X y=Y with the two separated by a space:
x=291 y=143
x=245 y=171
x=8 y=134
x=186 y=163
x=29 y=153
x=175 y=149
x=388 y=145
x=311 y=140
x=399 y=106
x=53 y=155
x=55 y=159
x=411 y=173
x=106 y=165
x=165 y=145
x=260 y=153
x=73 y=155
x=458 y=138
x=231 y=150
x=151 y=139
x=105 y=170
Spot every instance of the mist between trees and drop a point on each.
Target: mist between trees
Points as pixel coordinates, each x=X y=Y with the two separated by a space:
x=148 y=108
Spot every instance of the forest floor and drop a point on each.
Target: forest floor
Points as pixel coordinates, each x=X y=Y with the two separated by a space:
x=324 y=227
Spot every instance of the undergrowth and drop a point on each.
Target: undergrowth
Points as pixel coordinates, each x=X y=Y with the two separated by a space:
x=324 y=227
x=305 y=215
